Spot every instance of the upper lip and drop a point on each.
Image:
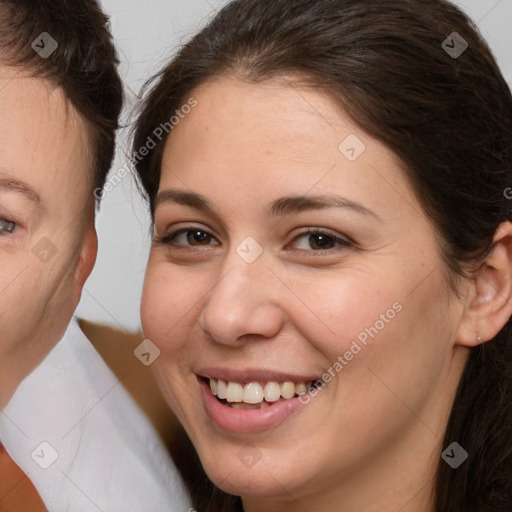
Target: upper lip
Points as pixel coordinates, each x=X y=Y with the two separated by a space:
x=253 y=375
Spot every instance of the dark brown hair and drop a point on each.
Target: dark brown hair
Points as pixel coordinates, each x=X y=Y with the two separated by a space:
x=84 y=64
x=449 y=120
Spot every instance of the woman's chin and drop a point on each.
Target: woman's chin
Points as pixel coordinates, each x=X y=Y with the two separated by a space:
x=256 y=482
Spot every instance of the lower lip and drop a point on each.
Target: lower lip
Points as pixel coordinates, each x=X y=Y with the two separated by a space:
x=246 y=420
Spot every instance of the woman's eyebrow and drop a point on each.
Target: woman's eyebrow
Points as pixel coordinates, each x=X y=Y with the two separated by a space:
x=13 y=185
x=284 y=206
x=296 y=204
x=184 y=198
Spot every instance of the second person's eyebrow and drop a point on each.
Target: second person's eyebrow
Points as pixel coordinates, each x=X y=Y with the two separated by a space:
x=10 y=184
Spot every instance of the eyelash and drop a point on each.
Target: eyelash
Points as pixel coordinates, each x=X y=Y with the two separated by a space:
x=343 y=243
x=169 y=237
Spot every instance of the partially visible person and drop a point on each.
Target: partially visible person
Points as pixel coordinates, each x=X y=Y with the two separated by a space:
x=330 y=280
x=72 y=437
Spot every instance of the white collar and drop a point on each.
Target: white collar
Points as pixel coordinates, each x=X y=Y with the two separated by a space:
x=72 y=415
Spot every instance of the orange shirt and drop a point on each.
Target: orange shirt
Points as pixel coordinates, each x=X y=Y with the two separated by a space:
x=17 y=494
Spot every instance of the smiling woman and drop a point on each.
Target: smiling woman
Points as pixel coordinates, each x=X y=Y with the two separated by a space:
x=345 y=159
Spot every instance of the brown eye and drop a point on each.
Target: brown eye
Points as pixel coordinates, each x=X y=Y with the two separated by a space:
x=188 y=238
x=198 y=237
x=321 y=241
x=318 y=241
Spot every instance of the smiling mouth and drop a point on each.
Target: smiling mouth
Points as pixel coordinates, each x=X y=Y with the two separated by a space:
x=255 y=395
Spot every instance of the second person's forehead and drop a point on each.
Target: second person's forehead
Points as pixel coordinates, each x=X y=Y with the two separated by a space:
x=43 y=140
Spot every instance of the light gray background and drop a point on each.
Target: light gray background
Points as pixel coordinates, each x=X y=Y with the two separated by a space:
x=147 y=34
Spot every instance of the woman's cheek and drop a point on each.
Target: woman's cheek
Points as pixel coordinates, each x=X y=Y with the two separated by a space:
x=351 y=312
x=167 y=309
x=156 y=310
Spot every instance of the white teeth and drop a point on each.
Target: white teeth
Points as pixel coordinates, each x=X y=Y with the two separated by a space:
x=272 y=391
x=235 y=392
x=253 y=393
x=301 y=388
x=222 y=387
x=287 y=390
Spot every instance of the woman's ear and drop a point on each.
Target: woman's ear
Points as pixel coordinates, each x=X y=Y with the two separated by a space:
x=489 y=301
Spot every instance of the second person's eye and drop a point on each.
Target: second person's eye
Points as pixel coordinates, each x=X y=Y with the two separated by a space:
x=7 y=227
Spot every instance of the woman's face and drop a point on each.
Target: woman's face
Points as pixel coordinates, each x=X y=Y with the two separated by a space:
x=290 y=248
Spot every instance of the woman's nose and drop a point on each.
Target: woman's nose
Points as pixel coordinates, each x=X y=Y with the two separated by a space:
x=244 y=303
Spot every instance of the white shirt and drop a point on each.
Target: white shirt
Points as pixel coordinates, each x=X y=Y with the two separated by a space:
x=84 y=443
